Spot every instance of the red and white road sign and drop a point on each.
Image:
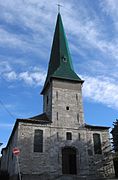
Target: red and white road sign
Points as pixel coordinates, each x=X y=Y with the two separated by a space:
x=16 y=151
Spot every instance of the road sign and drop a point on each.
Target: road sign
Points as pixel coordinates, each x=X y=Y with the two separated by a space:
x=16 y=151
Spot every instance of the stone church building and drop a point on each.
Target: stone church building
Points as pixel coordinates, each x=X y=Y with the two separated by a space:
x=58 y=144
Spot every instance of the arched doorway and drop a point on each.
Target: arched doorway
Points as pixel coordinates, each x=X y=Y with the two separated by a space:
x=69 y=165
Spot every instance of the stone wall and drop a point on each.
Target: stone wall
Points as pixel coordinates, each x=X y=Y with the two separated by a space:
x=65 y=95
x=8 y=162
x=50 y=161
x=100 y=165
x=63 y=105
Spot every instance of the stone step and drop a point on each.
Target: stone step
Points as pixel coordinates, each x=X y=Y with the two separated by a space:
x=72 y=177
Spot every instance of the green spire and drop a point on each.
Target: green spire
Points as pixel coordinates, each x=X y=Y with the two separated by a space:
x=60 y=65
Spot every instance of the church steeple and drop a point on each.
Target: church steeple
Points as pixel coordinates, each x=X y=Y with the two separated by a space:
x=60 y=65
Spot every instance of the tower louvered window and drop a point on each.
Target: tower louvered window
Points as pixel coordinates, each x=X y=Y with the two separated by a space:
x=68 y=136
x=38 y=140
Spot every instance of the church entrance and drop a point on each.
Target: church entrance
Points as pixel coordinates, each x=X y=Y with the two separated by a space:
x=69 y=165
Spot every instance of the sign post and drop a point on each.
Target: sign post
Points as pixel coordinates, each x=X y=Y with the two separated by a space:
x=16 y=152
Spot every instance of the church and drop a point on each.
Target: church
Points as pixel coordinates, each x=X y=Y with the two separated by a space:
x=58 y=144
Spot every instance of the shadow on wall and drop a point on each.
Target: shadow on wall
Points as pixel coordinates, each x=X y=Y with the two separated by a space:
x=4 y=175
x=116 y=166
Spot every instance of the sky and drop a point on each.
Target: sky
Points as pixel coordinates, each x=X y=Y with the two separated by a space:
x=26 y=34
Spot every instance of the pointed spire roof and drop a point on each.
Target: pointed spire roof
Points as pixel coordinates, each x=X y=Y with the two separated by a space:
x=60 y=64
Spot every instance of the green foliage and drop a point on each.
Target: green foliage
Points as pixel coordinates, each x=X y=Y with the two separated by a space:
x=114 y=133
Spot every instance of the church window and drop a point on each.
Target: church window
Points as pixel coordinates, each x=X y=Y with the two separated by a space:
x=76 y=97
x=47 y=99
x=97 y=143
x=57 y=95
x=57 y=115
x=38 y=140
x=79 y=136
x=57 y=135
x=68 y=136
x=67 y=108
x=78 y=117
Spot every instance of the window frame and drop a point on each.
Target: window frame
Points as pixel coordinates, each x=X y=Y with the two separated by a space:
x=38 y=141
x=69 y=136
x=97 y=144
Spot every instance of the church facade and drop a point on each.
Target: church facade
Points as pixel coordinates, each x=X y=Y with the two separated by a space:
x=58 y=144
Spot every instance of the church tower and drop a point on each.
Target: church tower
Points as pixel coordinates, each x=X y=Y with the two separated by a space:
x=58 y=144
x=62 y=89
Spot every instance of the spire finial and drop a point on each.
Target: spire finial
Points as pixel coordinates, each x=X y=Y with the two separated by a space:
x=59 y=6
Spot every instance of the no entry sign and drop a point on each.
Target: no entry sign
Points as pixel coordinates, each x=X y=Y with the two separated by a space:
x=16 y=151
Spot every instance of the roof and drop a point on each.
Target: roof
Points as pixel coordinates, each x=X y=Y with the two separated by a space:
x=96 y=127
x=39 y=119
x=60 y=64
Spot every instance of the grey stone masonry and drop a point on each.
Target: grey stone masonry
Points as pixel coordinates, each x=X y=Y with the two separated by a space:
x=63 y=106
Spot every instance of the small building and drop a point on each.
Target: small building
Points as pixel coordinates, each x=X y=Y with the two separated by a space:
x=58 y=144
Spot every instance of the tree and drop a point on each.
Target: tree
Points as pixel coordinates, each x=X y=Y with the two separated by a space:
x=114 y=133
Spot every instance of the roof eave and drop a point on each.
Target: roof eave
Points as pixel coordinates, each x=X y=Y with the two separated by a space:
x=96 y=127
x=60 y=78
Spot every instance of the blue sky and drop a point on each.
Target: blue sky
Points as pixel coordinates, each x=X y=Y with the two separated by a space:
x=26 y=33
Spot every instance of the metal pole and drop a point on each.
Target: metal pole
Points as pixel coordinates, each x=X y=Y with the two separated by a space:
x=19 y=173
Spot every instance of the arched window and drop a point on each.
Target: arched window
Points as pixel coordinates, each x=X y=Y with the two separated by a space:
x=97 y=143
x=38 y=140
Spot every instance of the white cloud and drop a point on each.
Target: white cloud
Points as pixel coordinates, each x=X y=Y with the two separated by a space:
x=25 y=76
x=35 y=76
x=101 y=90
x=4 y=66
x=37 y=19
x=93 y=37
x=11 y=40
x=11 y=75
x=111 y=9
